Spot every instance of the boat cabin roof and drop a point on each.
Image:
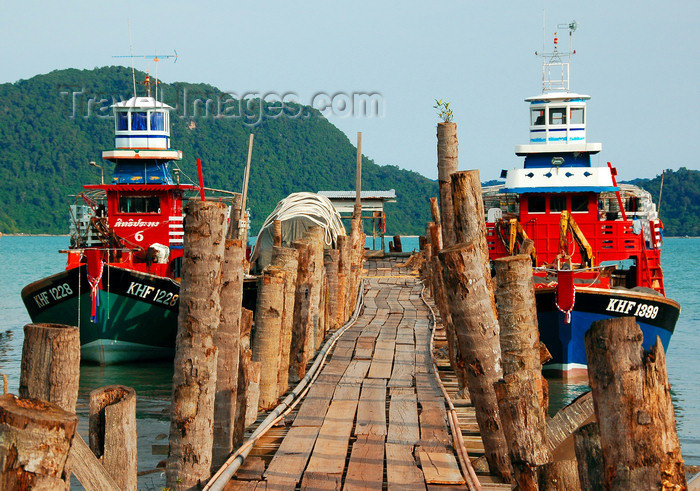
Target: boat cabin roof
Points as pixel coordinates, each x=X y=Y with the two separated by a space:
x=141 y=103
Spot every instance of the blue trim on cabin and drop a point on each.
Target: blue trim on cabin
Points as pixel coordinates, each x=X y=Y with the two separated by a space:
x=544 y=160
x=561 y=189
x=144 y=135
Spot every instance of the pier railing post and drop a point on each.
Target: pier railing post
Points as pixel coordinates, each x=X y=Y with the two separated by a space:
x=472 y=307
x=286 y=258
x=268 y=328
x=447 y=150
x=112 y=426
x=194 y=376
x=633 y=407
x=226 y=338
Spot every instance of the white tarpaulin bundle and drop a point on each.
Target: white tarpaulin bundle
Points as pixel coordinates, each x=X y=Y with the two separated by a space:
x=297 y=213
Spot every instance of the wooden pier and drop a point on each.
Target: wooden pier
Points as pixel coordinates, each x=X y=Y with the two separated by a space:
x=376 y=416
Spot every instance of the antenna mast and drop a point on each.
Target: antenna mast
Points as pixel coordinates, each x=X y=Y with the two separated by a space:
x=131 y=52
x=552 y=61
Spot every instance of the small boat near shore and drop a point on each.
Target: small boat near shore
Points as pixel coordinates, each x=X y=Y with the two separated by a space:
x=121 y=282
x=595 y=244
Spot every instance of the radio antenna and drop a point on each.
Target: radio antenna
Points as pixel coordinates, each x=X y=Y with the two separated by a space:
x=131 y=52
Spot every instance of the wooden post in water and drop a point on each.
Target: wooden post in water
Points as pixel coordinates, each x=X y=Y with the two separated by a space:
x=447 y=150
x=248 y=391
x=112 y=427
x=344 y=279
x=50 y=366
x=268 y=330
x=286 y=259
x=472 y=307
x=331 y=258
x=227 y=338
x=633 y=407
x=194 y=376
x=303 y=323
x=589 y=457
x=35 y=439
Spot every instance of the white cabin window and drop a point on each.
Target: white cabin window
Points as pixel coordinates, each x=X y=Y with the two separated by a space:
x=157 y=121
x=576 y=116
x=138 y=121
x=557 y=115
x=537 y=117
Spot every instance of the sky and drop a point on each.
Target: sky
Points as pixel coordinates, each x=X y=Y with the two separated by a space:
x=478 y=55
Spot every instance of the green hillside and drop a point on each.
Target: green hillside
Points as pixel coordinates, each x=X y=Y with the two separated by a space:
x=52 y=125
x=680 y=200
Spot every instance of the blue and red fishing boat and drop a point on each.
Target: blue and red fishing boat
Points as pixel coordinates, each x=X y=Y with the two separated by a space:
x=597 y=243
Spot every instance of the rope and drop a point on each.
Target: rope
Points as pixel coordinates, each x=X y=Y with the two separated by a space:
x=316 y=208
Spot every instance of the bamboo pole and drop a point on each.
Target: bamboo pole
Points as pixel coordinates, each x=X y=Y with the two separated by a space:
x=226 y=338
x=194 y=376
x=633 y=407
x=112 y=423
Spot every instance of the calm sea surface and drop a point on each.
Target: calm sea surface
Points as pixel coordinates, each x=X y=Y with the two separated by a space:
x=27 y=259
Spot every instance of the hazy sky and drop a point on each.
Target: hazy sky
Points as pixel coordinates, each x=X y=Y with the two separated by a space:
x=637 y=60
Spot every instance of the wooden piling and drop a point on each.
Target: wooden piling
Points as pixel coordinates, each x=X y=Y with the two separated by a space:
x=50 y=366
x=112 y=430
x=317 y=299
x=303 y=323
x=35 y=439
x=248 y=391
x=331 y=259
x=277 y=233
x=268 y=329
x=447 y=150
x=471 y=304
x=226 y=339
x=286 y=259
x=397 y=244
x=344 y=258
x=633 y=407
x=589 y=457
x=560 y=475
x=194 y=376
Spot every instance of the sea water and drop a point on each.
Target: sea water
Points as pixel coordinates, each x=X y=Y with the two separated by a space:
x=25 y=259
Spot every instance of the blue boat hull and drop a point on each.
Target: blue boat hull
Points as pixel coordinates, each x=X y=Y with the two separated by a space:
x=655 y=314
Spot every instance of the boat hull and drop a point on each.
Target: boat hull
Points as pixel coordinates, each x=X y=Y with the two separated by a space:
x=655 y=314
x=136 y=313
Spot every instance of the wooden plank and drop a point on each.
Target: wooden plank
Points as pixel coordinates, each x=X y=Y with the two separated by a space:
x=403 y=419
x=315 y=404
x=404 y=335
x=251 y=469
x=236 y=485
x=383 y=359
x=321 y=481
x=366 y=466
x=427 y=387
x=433 y=425
x=355 y=373
x=347 y=392
x=404 y=366
x=364 y=348
x=424 y=363
x=87 y=468
x=331 y=447
x=402 y=473
x=371 y=409
x=440 y=467
x=291 y=456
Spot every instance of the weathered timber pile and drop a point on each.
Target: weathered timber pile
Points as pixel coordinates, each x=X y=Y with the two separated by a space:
x=494 y=349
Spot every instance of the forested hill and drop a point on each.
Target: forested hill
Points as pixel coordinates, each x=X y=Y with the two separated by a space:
x=53 y=125
x=680 y=200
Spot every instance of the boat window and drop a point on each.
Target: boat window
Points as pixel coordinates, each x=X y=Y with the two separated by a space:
x=576 y=115
x=138 y=121
x=122 y=121
x=537 y=117
x=157 y=123
x=557 y=115
x=557 y=203
x=536 y=204
x=139 y=204
x=579 y=203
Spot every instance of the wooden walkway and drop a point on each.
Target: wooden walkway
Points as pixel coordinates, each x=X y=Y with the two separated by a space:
x=376 y=417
